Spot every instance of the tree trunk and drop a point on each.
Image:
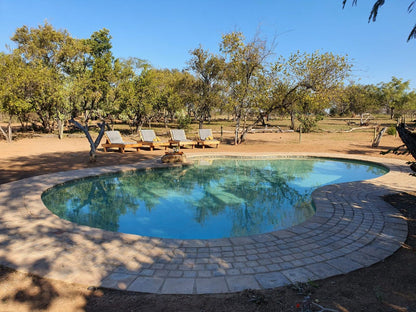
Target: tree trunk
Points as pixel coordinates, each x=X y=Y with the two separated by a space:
x=237 y=130
x=263 y=122
x=408 y=138
x=4 y=134
x=139 y=126
x=60 y=129
x=8 y=135
x=391 y=112
x=165 y=119
x=46 y=125
x=93 y=144
x=244 y=134
x=377 y=139
x=9 y=131
x=292 y=120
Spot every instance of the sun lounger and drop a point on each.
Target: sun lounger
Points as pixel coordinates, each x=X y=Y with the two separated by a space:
x=206 y=138
x=114 y=140
x=150 y=139
x=178 y=138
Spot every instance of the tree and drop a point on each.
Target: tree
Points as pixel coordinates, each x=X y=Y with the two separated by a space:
x=167 y=97
x=306 y=83
x=208 y=69
x=91 y=85
x=15 y=88
x=362 y=99
x=374 y=12
x=126 y=91
x=154 y=95
x=49 y=52
x=146 y=88
x=29 y=87
x=393 y=94
x=45 y=45
x=409 y=106
x=244 y=64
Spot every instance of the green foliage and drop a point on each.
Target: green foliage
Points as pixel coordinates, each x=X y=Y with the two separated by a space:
x=58 y=77
x=356 y=99
x=90 y=88
x=394 y=95
x=307 y=83
x=244 y=68
x=391 y=130
x=308 y=122
x=184 y=121
x=46 y=53
x=207 y=87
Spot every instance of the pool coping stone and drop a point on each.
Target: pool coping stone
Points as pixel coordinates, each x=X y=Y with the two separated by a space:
x=353 y=228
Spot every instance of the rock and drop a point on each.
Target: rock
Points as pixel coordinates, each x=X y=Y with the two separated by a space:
x=174 y=158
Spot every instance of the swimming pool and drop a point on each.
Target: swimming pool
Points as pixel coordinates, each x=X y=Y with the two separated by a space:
x=214 y=198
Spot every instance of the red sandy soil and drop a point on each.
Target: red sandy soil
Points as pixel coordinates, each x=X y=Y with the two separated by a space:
x=387 y=286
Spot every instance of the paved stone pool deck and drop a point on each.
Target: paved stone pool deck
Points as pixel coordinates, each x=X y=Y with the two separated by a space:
x=352 y=228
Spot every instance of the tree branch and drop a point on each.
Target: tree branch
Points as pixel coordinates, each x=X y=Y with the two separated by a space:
x=93 y=145
x=374 y=11
x=5 y=135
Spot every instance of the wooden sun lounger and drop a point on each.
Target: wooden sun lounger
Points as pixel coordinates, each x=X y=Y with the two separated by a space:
x=114 y=140
x=149 y=139
x=178 y=138
x=206 y=138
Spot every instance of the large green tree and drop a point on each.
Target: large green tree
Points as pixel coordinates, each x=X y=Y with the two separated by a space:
x=16 y=79
x=91 y=83
x=393 y=94
x=208 y=69
x=305 y=83
x=362 y=99
x=48 y=52
x=168 y=100
x=245 y=62
x=409 y=106
x=128 y=91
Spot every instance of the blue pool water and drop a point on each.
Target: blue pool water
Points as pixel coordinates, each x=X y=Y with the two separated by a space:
x=214 y=198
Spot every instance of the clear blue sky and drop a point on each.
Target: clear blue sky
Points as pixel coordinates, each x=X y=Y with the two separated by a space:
x=163 y=32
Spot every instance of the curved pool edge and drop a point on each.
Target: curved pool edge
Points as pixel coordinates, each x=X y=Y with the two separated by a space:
x=352 y=228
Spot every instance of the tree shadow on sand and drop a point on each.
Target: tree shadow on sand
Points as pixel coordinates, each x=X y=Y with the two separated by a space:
x=18 y=168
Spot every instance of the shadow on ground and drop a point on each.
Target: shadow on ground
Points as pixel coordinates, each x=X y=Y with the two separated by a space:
x=18 y=168
x=385 y=286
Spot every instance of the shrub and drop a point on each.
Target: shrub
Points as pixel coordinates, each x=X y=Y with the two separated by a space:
x=309 y=122
x=184 y=121
x=391 y=130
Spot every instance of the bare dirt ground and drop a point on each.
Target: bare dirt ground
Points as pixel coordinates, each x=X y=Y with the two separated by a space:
x=386 y=286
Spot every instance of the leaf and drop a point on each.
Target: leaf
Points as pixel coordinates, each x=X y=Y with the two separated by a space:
x=374 y=11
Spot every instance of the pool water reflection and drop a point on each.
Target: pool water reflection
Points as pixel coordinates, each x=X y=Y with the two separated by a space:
x=214 y=198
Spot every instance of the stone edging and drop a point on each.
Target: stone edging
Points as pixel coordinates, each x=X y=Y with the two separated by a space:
x=352 y=228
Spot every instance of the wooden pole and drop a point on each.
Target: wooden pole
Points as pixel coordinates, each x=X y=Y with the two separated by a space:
x=221 y=134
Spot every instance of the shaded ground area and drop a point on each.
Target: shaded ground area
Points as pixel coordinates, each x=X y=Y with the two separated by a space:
x=386 y=286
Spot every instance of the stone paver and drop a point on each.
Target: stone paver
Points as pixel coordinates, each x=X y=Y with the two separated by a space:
x=211 y=285
x=178 y=286
x=352 y=228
